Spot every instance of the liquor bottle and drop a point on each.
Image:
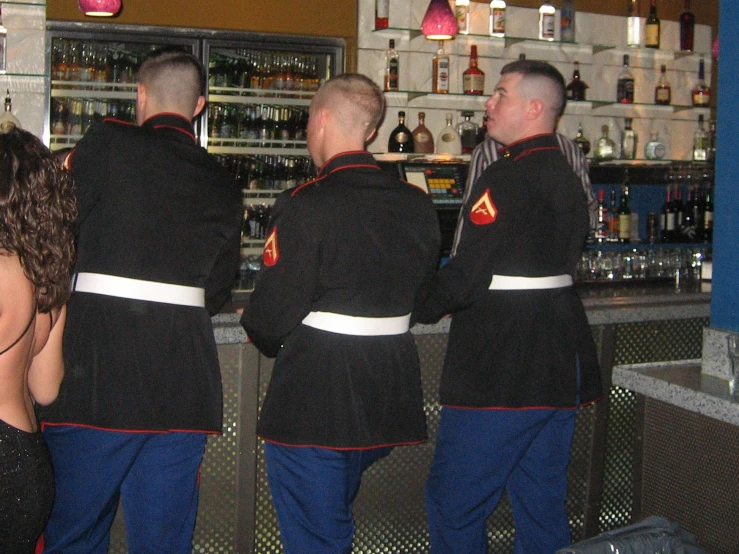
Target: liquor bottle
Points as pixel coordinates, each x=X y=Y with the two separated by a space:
x=701 y=144
x=423 y=140
x=633 y=25
x=3 y=45
x=613 y=227
x=440 y=82
x=624 y=216
x=482 y=131
x=655 y=148
x=467 y=131
x=708 y=214
x=497 y=18
x=701 y=92
x=392 y=67
x=629 y=139
x=400 y=139
x=605 y=148
x=601 y=228
x=663 y=91
x=582 y=142
x=546 y=21
x=652 y=27
x=667 y=218
x=699 y=213
x=687 y=226
x=382 y=14
x=687 y=28
x=625 y=84
x=577 y=87
x=567 y=21
x=8 y=121
x=462 y=11
x=448 y=141
x=473 y=79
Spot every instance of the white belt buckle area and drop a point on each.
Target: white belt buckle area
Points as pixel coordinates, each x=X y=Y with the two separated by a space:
x=358 y=326
x=512 y=282
x=137 y=289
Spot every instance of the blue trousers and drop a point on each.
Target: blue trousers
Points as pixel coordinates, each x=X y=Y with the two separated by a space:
x=155 y=475
x=313 y=490
x=481 y=453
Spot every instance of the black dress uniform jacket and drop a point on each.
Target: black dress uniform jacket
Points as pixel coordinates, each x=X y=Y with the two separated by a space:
x=517 y=348
x=359 y=242
x=153 y=206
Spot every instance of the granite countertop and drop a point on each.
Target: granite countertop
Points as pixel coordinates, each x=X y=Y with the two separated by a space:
x=681 y=384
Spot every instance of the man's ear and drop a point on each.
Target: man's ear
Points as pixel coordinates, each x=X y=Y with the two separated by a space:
x=199 y=106
x=534 y=108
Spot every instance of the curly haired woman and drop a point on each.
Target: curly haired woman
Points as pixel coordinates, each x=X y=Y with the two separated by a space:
x=37 y=215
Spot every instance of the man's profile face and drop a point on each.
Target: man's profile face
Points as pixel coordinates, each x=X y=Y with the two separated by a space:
x=505 y=109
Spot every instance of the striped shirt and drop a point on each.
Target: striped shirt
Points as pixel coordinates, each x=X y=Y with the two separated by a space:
x=487 y=153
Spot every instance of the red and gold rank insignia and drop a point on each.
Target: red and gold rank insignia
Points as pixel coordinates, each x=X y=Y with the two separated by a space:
x=483 y=211
x=271 y=250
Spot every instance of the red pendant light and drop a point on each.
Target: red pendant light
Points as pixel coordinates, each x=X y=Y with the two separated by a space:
x=100 y=8
x=439 y=23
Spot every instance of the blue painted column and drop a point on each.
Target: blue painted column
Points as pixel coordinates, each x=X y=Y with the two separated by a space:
x=725 y=286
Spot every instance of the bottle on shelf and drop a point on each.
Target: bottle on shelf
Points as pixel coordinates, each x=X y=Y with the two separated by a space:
x=3 y=44
x=652 y=27
x=663 y=90
x=701 y=93
x=712 y=139
x=382 y=14
x=462 y=11
x=655 y=148
x=613 y=227
x=8 y=121
x=473 y=78
x=633 y=25
x=582 y=142
x=546 y=21
x=401 y=139
x=667 y=218
x=440 y=73
x=687 y=28
x=687 y=226
x=605 y=148
x=577 y=87
x=482 y=131
x=467 y=131
x=567 y=21
x=497 y=18
x=601 y=228
x=625 y=84
x=624 y=215
x=448 y=141
x=699 y=213
x=392 y=67
x=708 y=214
x=423 y=140
x=629 y=139
x=701 y=143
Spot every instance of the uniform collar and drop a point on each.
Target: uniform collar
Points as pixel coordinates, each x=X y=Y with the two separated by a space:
x=521 y=148
x=171 y=121
x=346 y=160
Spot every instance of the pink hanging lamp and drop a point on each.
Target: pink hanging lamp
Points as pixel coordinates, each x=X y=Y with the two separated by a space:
x=439 y=23
x=100 y=8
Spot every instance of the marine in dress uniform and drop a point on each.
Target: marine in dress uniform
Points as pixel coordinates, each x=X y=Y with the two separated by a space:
x=520 y=358
x=157 y=256
x=344 y=259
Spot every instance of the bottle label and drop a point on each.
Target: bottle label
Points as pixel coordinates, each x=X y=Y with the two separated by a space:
x=473 y=83
x=625 y=91
x=382 y=9
x=442 y=75
x=497 y=21
x=662 y=96
x=547 y=26
x=701 y=99
x=392 y=74
x=402 y=137
x=624 y=226
x=463 y=19
x=651 y=36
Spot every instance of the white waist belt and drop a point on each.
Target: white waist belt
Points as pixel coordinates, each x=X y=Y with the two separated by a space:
x=511 y=282
x=361 y=326
x=136 y=289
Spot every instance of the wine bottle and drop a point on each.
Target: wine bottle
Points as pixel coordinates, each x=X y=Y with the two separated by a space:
x=382 y=14
x=708 y=214
x=625 y=84
x=392 y=67
x=612 y=218
x=8 y=121
x=633 y=25
x=687 y=28
x=701 y=92
x=687 y=228
x=652 y=27
x=497 y=18
x=582 y=142
x=440 y=73
x=400 y=139
x=577 y=87
x=546 y=21
x=701 y=143
x=467 y=131
x=667 y=218
x=448 y=141
x=567 y=21
x=473 y=79
x=629 y=139
x=601 y=229
x=663 y=91
x=462 y=11
x=624 y=216
x=423 y=140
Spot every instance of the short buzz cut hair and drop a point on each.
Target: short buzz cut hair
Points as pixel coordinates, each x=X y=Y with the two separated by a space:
x=537 y=68
x=173 y=75
x=359 y=93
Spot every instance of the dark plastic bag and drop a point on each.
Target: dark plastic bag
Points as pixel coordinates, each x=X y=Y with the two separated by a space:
x=654 y=535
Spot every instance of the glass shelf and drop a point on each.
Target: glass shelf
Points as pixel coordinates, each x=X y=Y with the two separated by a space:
x=11 y=74
x=31 y=3
x=620 y=247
